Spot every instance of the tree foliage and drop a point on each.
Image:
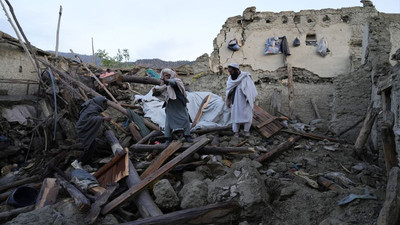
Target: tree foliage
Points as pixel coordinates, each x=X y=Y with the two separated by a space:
x=118 y=61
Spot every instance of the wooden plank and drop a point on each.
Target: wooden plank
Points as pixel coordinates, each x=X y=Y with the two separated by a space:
x=203 y=105
x=290 y=90
x=204 y=150
x=131 y=192
x=161 y=158
x=143 y=200
x=96 y=206
x=278 y=150
x=114 y=170
x=48 y=193
x=209 y=214
x=314 y=136
x=261 y=116
x=268 y=121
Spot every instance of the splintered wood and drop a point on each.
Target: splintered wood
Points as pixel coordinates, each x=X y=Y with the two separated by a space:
x=113 y=171
x=260 y=116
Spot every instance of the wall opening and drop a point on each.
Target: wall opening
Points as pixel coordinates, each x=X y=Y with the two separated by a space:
x=284 y=19
x=310 y=20
x=326 y=19
x=311 y=39
x=296 y=19
x=345 y=19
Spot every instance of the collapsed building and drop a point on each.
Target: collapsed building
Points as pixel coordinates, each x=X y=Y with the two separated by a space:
x=338 y=75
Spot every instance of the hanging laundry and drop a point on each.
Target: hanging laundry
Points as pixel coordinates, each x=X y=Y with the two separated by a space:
x=234 y=45
x=273 y=46
x=323 y=49
x=284 y=46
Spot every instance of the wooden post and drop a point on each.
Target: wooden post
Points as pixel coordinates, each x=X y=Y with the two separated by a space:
x=314 y=105
x=366 y=129
x=58 y=30
x=131 y=192
x=290 y=91
x=276 y=102
x=94 y=56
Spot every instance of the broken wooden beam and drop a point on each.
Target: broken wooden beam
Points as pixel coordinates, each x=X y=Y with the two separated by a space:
x=131 y=192
x=290 y=91
x=209 y=214
x=204 y=150
x=313 y=136
x=140 y=80
x=203 y=105
x=15 y=212
x=366 y=129
x=100 y=201
x=209 y=130
x=19 y=183
x=81 y=201
x=143 y=200
x=48 y=193
x=278 y=150
x=390 y=212
x=147 y=137
x=161 y=158
x=388 y=139
x=135 y=133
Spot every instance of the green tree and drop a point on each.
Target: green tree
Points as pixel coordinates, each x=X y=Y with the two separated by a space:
x=118 y=61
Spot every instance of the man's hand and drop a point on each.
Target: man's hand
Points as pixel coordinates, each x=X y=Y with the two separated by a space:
x=228 y=104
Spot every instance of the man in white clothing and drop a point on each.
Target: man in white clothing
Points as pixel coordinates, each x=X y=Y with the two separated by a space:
x=240 y=96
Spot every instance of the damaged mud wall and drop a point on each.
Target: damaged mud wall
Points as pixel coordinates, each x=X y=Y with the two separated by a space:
x=342 y=28
x=17 y=74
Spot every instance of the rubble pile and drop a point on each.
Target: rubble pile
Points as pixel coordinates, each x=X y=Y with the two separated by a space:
x=293 y=173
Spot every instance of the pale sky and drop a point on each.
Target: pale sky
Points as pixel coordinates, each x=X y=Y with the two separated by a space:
x=165 y=29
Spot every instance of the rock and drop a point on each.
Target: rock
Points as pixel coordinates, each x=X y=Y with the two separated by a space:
x=287 y=192
x=63 y=212
x=245 y=184
x=282 y=167
x=189 y=176
x=193 y=194
x=359 y=167
x=165 y=195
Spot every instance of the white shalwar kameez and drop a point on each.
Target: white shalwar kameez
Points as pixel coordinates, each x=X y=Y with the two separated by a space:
x=245 y=93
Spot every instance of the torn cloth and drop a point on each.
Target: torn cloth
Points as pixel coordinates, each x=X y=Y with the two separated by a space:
x=90 y=120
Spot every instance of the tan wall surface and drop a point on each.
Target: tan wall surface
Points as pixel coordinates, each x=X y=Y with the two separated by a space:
x=15 y=64
x=342 y=28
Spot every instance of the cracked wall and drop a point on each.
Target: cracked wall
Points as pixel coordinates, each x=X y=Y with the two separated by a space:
x=343 y=29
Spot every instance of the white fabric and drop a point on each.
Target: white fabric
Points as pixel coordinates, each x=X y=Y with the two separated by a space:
x=244 y=97
x=216 y=114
